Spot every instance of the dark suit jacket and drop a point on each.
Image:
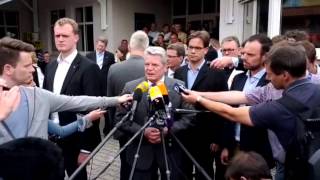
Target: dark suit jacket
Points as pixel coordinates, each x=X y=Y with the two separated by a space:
x=251 y=138
x=211 y=54
x=81 y=79
x=35 y=77
x=108 y=60
x=151 y=152
x=208 y=125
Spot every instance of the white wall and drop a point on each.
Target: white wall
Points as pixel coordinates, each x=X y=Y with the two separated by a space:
x=231 y=19
x=120 y=17
x=123 y=16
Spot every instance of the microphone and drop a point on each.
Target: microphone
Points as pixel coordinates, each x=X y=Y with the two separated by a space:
x=165 y=95
x=144 y=86
x=179 y=88
x=158 y=107
x=164 y=92
x=156 y=97
x=137 y=95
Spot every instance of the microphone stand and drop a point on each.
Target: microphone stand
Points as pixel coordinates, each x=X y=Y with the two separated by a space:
x=136 y=156
x=97 y=149
x=123 y=148
x=165 y=154
x=156 y=115
x=204 y=173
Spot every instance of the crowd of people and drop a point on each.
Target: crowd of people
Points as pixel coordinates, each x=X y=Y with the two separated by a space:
x=244 y=135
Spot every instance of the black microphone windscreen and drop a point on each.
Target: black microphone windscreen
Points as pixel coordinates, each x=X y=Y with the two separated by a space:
x=137 y=95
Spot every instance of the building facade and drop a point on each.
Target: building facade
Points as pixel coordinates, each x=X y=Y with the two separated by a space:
x=32 y=20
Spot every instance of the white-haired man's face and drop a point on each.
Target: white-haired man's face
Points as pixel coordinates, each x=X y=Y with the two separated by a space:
x=154 y=68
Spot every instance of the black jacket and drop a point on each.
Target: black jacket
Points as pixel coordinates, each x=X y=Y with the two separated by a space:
x=208 y=125
x=108 y=60
x=81 y=79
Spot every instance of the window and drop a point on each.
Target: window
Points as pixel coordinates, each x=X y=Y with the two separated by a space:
x=210 y=6
x=179 y=7
x=9 y=24
x=84 y=18
x=263 y=9
x=197 y=15
x=55 y=15
x=194 y=7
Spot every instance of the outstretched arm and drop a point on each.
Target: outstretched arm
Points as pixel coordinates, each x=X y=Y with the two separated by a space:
x=80 y=125
x=240 y=115
x=228 y=97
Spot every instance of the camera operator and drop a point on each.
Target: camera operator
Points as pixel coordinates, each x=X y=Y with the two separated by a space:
x=151 y=151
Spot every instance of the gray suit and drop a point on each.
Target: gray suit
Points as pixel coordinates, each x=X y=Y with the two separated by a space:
x=119 y=74
x=152 y=154
x=123 y=72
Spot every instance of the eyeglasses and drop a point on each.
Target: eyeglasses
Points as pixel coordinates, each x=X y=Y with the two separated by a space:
x=190 y=48
x=227 y=50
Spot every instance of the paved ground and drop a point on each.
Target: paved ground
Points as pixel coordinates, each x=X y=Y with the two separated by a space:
x=101 y=160
x=104 y=156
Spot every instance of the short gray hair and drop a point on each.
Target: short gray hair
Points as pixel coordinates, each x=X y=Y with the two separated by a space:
x=139 y=41
x=157 y=51
x=231 y=38
x=103 y=39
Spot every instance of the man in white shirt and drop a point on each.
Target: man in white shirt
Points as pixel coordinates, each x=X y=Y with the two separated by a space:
x=73 y=74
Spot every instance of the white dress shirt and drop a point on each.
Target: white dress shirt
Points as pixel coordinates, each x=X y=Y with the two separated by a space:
x=170 y=73
x=99 y=58
x=40 y=76
x=60 y=75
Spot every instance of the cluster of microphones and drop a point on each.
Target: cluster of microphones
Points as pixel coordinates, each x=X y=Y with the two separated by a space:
x=160 y=105
x=158 y=100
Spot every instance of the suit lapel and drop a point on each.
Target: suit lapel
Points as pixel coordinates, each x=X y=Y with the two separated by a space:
x=263 y=81
x=185 y=75
x=95 y=57
x=105 y=59
x=73 y=68
x=201 y=75
x=171 y=93
x=241 y=82
x=50 y=75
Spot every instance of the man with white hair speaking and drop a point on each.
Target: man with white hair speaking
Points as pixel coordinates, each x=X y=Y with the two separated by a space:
x=151 y=151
